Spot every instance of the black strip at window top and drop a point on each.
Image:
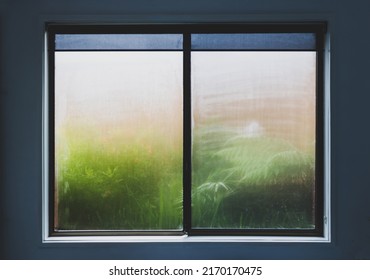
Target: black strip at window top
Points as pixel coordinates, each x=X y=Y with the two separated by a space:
x=212 y=129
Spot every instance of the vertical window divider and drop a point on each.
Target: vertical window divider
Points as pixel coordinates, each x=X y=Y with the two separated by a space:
x=187 y=132
x=319 y=172
x=51 y=124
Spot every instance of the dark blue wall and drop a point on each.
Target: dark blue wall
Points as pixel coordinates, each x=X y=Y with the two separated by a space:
x=21 y=37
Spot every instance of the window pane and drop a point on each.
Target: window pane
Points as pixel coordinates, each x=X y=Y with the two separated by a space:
x=254 y=41
x=253 y=139
x=118 y=140
x=118 y=41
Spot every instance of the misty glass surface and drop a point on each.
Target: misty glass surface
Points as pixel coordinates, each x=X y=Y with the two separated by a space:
x=253 y=152
x=118 y=41
x=254 y=41
x=118 y=140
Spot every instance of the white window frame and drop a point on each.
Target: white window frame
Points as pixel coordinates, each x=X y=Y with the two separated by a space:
x=326 y=238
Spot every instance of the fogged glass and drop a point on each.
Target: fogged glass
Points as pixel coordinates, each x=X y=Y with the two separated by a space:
x=253 y=149
x=118 y=140
x=118 y=41
x=254 y=41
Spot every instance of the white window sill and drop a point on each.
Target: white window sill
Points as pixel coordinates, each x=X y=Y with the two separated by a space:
x=184 y=238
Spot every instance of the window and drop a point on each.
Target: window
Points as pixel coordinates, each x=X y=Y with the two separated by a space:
x=194 y=130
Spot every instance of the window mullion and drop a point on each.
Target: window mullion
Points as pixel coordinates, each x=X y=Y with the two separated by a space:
x=187 y=132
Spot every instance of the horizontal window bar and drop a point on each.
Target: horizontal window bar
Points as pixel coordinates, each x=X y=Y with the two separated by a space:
x=260 y=41
x=117 y=233
x=118 y=41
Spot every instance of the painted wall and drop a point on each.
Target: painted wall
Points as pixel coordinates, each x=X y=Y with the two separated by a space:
x=21 y=37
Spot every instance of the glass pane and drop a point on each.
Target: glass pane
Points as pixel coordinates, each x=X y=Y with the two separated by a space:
x=118 y=140
x=254 y=41
x=253 y=139
x=118 y=41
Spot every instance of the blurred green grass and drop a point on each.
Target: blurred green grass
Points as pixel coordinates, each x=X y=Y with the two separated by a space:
x=123 y=185
x=237 y=182
x=256 y=182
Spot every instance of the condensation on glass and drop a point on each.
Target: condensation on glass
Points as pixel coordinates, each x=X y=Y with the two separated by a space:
x=118 y=133
x=254 y=116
